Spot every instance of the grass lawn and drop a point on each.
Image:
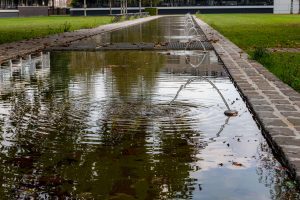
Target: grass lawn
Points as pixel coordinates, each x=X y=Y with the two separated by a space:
x=254 y=32
x=14 y=29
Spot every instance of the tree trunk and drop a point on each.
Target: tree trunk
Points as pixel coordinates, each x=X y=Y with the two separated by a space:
x=140 y=7
x=110 y=11
x=84 y=2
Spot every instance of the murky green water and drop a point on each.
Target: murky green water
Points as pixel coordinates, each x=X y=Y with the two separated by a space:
x=98 y=125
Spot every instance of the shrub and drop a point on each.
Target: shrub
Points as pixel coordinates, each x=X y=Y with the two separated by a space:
x=66 y=27
x=152 y=11
x=260 y=53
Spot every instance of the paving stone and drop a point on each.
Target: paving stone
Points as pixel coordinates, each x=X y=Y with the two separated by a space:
x=245 y=85
x=296 y=165
x=275 y=96
x=285 y=108
x=279 y=101
x=266 y=88
x=255 y=97
x=293 y=98
x=271 y=92
x=241 y=81
x=263 y=108
x=280 y=84
x=290 y=92
x=293 y=154
x=294 y=121
x=267 y=114
x=291 y=114
x=236 y=74
x=273 y=122
x=247 y=88
x=287 y=141
x=281 y=131
x=258 y=79
x=259 y=102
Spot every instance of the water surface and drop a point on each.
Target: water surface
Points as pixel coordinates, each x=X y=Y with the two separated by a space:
x=99 y=125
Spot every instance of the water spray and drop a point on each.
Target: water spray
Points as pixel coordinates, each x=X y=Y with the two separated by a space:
x=228 y=112
x=190 y=26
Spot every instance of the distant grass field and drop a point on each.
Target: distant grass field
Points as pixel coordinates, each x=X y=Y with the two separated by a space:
x=257 y=32
x=15 y=29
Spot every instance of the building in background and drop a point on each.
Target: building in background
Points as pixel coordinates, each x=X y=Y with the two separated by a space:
x=286 y=6
x=13 y=4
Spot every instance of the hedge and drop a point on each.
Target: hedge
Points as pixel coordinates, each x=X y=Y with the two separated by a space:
x=151 y=11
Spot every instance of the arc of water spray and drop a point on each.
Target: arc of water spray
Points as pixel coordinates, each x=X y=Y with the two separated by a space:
x=193 y=28
x=201 y=78
x=197 y=38
x=204 y=53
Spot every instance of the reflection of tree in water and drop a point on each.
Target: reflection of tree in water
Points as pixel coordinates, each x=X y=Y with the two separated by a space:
x=177 y=152
x=41 y=133
x=42 y=144
x=135 y=75
x=274 y=176
x=126 y=126
x=163 y=170
x=45 y=157
x=146 y=32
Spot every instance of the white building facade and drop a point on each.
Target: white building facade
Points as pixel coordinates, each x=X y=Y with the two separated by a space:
x=286 y=7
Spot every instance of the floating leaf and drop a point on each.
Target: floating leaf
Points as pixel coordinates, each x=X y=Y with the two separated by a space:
x=237 y=164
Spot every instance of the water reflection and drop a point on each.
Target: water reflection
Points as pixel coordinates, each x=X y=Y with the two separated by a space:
x=98 y=125
x=165 y=29
x=178 y=63
x=15 y=76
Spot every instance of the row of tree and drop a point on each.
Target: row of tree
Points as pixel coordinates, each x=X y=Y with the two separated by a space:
x=114 y=3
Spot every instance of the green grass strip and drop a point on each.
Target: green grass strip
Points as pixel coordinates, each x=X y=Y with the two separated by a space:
x=257 y=30
x=15 y=29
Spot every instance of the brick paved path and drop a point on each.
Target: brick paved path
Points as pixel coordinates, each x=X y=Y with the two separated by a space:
x=275 y=104
x=17 y=49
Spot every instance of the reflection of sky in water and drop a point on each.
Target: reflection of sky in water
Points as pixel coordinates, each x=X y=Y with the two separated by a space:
x=15 y=78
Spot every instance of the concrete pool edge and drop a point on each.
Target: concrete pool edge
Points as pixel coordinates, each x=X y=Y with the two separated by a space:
x=21 y=48
x=275 y=104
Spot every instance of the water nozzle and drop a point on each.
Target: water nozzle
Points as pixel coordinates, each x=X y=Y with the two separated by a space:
x=231 y=113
